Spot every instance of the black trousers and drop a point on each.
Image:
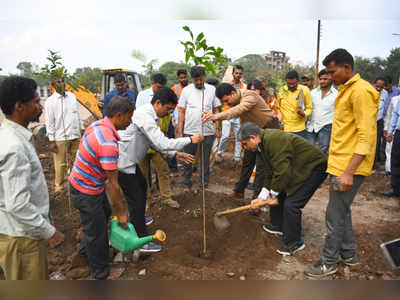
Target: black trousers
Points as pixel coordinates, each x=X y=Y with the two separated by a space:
x=380 y=143
x=95 y=212
x=395 y=163
x=134 y=187
x=172 y=163
x=287 y=215
x=250 y=159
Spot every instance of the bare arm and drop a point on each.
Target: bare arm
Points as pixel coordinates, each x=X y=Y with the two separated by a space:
x=181 y=120
x=346 y=179
x=116 y=197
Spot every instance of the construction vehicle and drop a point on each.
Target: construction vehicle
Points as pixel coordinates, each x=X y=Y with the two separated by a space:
x=94 y=103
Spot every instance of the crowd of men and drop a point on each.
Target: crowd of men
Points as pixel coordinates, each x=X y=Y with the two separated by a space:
x=343 y=128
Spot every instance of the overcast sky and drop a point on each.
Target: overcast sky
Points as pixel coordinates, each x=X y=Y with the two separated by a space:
x=104 y=33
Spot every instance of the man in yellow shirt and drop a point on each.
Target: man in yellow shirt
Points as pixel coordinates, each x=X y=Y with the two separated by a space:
x=351 y=156
x=295 y=102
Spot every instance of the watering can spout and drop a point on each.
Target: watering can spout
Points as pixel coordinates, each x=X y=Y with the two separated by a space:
x=127 y=240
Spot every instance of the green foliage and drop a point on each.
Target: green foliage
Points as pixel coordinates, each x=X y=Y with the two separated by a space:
x=56 y=70
x=88 y=77
x=169 y=70
x=199 y=53
x=28 y=69
x=393 y=65
x=148 y=66
x=369 y=68
x=256 y=67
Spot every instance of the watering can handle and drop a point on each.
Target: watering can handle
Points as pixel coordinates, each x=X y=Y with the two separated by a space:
x=129 y=224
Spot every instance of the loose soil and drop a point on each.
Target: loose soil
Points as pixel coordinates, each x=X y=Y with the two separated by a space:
x=244 y=250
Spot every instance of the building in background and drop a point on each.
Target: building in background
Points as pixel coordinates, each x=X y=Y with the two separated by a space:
x=276 y=60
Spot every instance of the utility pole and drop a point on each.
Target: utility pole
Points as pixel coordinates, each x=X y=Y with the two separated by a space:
x=317 y=61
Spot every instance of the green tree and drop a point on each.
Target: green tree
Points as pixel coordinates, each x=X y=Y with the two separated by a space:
x=252 y=64
x=25 y=68
x=198 y=52
x=149 y=66
x=28 y=69
x=89 y=77
x=369 y=68
x=169 y=70
x=393 y=65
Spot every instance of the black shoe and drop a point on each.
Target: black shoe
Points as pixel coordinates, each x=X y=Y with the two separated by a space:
x=292 y=249
x=389 y=193
x=272 y=229
x=320 y=270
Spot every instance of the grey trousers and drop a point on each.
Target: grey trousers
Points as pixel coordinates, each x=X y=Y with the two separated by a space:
x=339 y=229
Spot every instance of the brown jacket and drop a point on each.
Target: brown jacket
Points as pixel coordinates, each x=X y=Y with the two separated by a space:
x=252 y=108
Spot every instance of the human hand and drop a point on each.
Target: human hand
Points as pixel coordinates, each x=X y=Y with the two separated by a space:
x=123 y=219
x=254 y=204
x=389 y=137
x=346 y=182
x=197 y=138
x=53 y=147
x=56 y=239
x=301 y=112
x=218 y=133
x=207 y=116
x=185 y=157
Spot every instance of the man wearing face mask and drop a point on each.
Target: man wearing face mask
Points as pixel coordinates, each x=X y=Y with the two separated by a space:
x=196 y=98
x=121 y=89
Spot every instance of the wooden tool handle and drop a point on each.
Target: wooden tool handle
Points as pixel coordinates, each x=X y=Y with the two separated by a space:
x=238 y=209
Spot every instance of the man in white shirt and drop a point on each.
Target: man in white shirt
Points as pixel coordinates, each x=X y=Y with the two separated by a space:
x=25 y=227
x=143 y=134
x=64 y=127
x=387 y=121
x=196 y=98
x=319 y=124
x=153 y=158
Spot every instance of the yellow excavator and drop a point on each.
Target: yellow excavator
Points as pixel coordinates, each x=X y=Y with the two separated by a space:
x=94 y=103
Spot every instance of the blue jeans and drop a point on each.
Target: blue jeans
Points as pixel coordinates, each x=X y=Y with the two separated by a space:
x=323 y=136
x=226 y=131
x=302 y=133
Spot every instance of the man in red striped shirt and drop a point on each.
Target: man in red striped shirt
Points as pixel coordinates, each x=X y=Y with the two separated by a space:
x=96 y=162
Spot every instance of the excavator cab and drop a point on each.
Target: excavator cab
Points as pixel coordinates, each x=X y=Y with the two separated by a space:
x=107 y=82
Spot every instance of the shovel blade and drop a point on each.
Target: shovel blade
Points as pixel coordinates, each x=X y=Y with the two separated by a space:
x=221 y=223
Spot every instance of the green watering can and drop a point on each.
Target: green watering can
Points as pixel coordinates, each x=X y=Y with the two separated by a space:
x=127 y=240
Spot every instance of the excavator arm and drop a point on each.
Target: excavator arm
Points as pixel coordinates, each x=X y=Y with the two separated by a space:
x=87 y=99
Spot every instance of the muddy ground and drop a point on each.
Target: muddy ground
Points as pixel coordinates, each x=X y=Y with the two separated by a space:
x=244 y=251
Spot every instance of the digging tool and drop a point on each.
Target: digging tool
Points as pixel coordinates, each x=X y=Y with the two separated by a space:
x=221 y=222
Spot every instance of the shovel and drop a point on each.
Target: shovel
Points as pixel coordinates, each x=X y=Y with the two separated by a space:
x=221 y=222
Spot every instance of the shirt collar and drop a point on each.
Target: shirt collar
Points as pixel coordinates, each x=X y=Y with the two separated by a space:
x=59 y=95
x=153 y=113
x=352 y=80
x=107 y=122
x=25 y=132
